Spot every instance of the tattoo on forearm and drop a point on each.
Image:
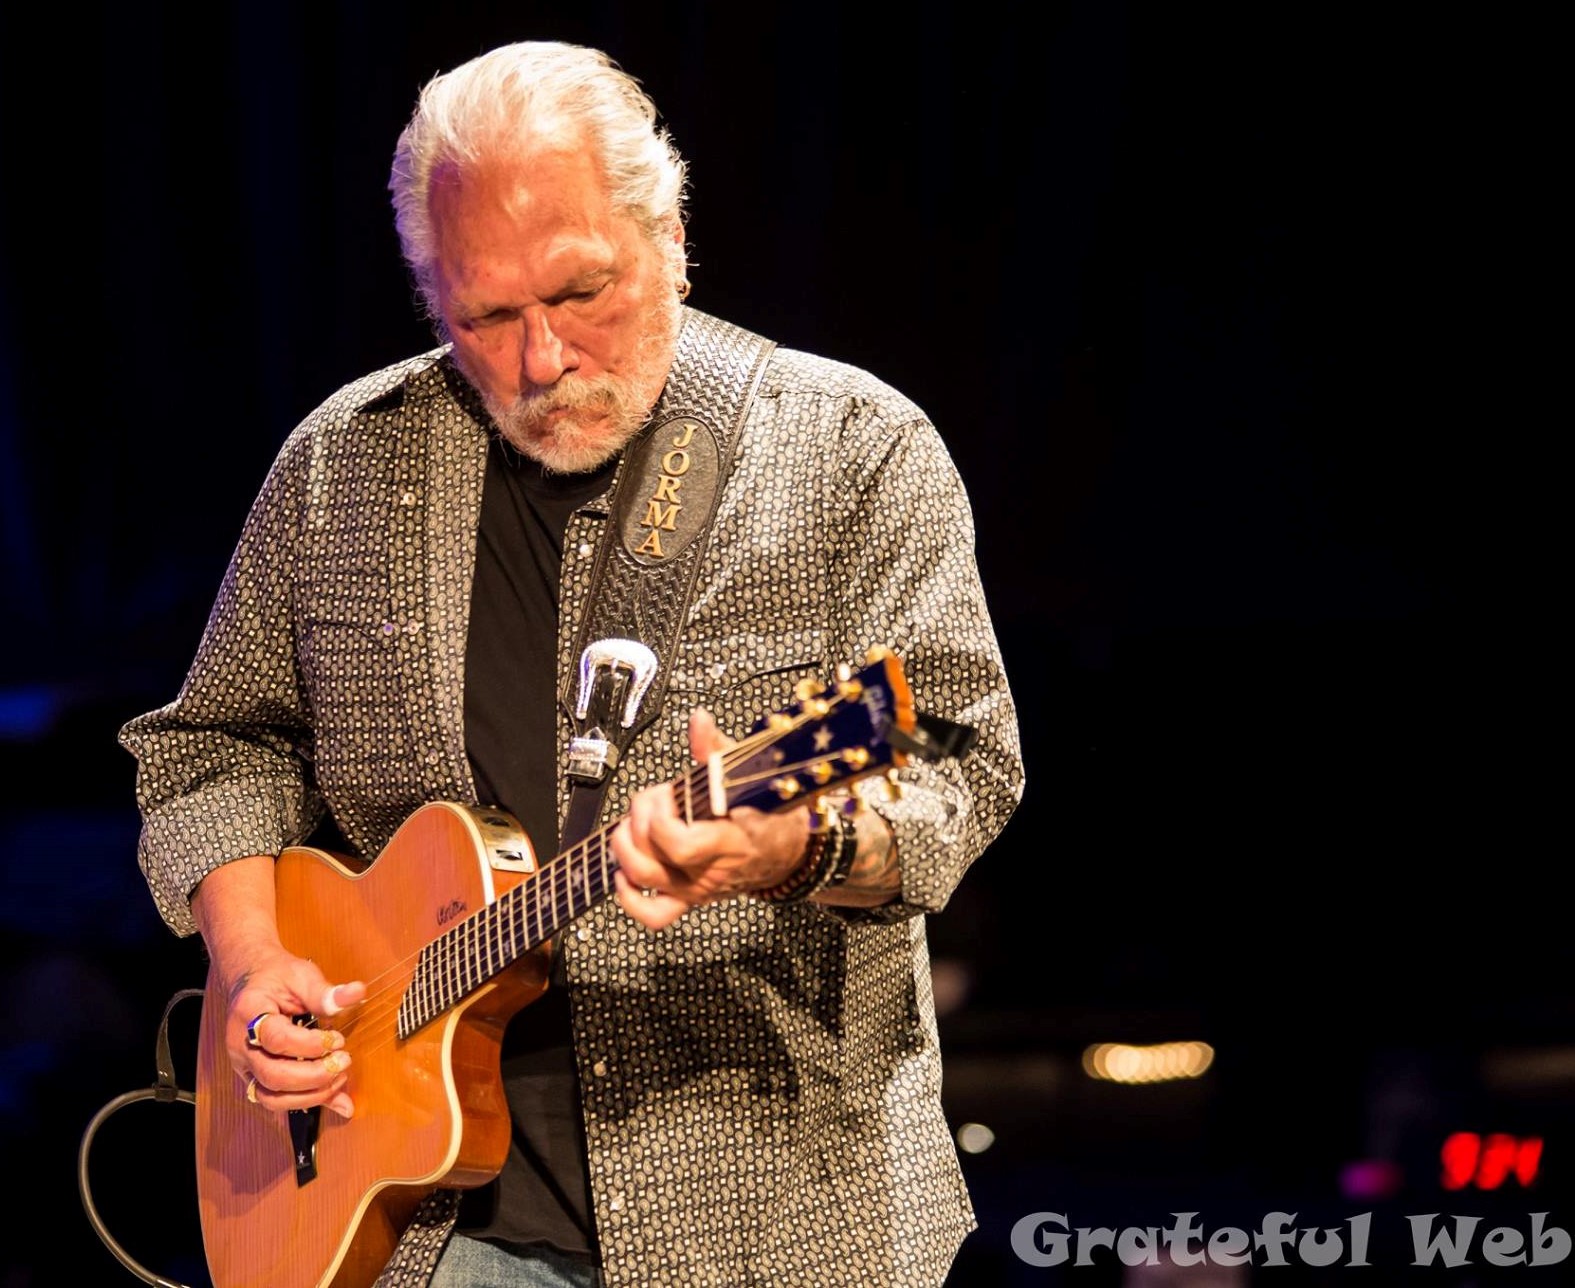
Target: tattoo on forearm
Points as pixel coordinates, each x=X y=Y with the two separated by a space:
x=876 y=868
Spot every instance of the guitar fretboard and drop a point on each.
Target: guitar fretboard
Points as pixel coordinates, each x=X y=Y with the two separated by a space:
x=466 y=956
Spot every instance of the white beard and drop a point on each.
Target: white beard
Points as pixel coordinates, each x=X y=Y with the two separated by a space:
x=598 y=414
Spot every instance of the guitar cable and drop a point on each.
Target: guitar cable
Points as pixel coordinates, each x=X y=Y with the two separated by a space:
x=164 y=1089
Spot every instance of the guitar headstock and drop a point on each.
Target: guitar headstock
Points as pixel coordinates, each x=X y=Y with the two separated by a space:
x=859 y=723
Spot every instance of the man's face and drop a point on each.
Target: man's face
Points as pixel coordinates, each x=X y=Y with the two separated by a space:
x=561 y=312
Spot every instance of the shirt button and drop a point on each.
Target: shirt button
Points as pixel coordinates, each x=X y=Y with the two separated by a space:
x=409 y=498
x=718 y=670
x=600 y=1068
x=585 y=547
x=433 y=757
x=616 y=1203
x=388 y=628
x=581 y=933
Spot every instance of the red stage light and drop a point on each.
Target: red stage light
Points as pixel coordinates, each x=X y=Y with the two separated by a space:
x=1459 y=1157
x=1486 y=1162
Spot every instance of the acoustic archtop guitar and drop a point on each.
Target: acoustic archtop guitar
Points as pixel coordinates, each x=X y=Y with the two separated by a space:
x=450 y=927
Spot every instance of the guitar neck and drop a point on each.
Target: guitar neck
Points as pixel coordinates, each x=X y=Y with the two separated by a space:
x=471 y=952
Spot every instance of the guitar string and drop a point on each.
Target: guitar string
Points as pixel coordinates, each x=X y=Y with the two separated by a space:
x=379 y=1005
x=694 y=779
x=382 y=1001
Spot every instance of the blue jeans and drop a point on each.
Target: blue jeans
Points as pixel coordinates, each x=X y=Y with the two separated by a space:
x=474 y=1263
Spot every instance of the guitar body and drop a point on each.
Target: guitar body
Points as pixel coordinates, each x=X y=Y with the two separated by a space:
x=429 y=1108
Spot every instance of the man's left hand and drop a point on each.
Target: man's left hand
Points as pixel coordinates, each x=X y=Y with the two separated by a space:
x=667 y=865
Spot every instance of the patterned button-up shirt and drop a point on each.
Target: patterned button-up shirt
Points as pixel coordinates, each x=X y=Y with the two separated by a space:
x=761 y=1083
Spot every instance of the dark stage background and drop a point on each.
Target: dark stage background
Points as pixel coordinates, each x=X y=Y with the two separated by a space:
x=1235 y=319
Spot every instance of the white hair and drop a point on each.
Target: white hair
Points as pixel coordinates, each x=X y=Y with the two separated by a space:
x=516 y=100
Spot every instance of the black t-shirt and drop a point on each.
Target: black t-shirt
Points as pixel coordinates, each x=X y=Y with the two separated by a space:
x=543 y=1192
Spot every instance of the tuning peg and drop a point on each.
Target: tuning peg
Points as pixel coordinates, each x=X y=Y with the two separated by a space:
x=893 y=786
x=849 y=689
x=808 y=688
x=828 y=808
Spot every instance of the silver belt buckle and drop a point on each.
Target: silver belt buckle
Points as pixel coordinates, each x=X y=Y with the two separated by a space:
x=592 y=754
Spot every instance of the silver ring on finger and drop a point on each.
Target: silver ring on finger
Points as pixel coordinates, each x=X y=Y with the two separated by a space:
x=254 y=1031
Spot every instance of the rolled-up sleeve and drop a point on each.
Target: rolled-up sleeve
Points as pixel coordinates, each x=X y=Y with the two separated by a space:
x=907 y=567
x=223 y=771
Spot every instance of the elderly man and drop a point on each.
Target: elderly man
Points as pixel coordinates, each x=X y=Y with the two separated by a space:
x=461 y=575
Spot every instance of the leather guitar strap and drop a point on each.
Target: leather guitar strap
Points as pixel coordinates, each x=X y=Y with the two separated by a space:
x=663 y=505
x=664 y=501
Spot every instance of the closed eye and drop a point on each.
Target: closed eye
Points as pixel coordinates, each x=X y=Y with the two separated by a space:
x=581 y=296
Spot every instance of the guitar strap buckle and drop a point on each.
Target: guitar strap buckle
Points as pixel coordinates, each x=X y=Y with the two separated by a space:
x=614 y=676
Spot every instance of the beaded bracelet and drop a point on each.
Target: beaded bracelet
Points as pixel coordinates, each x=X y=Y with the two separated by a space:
x=828 y=858
x=848 y=849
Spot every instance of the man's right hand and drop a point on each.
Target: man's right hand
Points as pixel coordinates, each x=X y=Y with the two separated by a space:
x=281 y=1064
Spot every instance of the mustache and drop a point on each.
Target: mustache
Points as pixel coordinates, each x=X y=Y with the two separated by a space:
x=572 y=393
x=569 y=394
